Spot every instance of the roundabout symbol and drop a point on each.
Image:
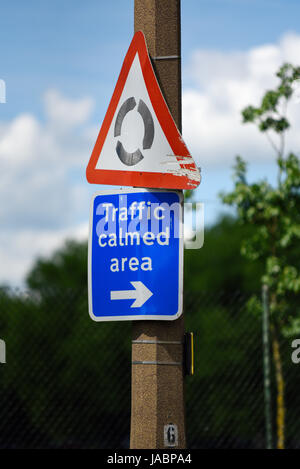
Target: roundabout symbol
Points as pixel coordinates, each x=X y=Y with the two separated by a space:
x=127 y=158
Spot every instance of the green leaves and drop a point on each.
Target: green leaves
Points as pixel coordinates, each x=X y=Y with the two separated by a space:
x=278 y=125
x=289 y=280
x=270 y=101
x=288 y=73
x=250 y=113
x=269 y=116
x=274 y=211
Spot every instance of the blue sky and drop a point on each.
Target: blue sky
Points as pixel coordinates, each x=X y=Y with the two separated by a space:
x=78 y=47
x=60 y=61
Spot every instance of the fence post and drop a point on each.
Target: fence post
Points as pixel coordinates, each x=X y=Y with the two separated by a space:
x=267 y=367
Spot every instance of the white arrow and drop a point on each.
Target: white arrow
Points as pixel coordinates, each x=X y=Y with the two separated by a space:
x=140 y=294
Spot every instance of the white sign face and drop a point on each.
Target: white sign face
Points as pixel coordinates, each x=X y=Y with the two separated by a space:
x=159 y=155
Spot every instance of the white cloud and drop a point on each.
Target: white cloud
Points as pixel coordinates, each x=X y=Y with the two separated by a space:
x=44 y=195
x=19 y=140
x=223 y=83
x=65 y=113
x=19 y=248
x=43 y=165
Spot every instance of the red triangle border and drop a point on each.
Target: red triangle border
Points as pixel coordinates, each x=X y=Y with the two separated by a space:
x=190 y=178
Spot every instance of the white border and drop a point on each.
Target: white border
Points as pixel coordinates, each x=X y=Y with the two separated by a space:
x=180 y=269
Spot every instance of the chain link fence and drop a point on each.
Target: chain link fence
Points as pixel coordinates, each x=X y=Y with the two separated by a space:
x=66 y=380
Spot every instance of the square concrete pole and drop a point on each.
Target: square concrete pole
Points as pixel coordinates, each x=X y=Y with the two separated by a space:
x=157 y=397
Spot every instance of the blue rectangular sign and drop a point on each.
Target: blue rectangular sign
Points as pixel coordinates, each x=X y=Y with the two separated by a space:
x=135 y=258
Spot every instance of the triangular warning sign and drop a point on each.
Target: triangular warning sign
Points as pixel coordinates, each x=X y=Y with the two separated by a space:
x=139 y=144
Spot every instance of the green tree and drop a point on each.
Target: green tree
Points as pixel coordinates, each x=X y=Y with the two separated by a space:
x=218 y=266
x=275 y=213
x=68 y=378
x=61 y=363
